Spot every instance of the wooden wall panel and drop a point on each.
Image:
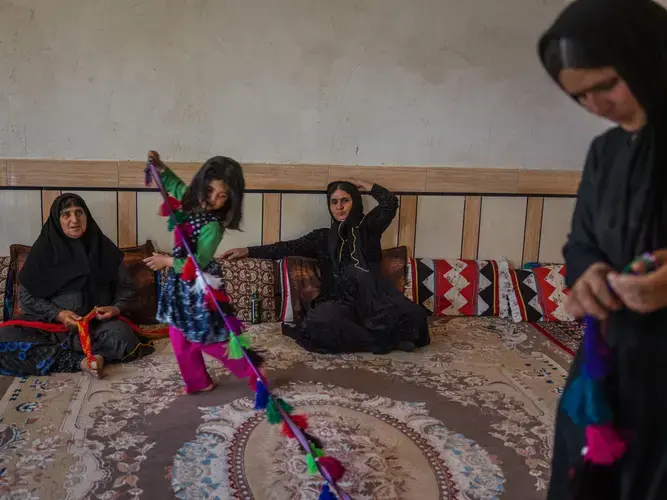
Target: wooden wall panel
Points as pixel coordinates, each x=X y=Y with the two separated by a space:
x=3 y=172
x=501 y=228
x=48 y=197
x=296 y=177
x=402 y=179
x=407 y=222
x=21 y=220
x=127 y=218
x=555 y=228
x=103 y=206
x=532 y=230
x=439 y=226
x=271 y=218
x=150 y=226
x=390 y=236
x=251 y=225
x=472 y=214
x=301 y=213
x=62 y=173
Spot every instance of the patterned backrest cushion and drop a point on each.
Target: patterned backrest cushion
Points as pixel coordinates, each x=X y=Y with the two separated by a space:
x=143 y=278
x=300 y=280
x=461 y=287
x=244 y=276
x=539 y=294
x=4 y=274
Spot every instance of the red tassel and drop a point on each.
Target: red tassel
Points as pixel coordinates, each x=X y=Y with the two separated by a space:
x=332 y=466
x=214 y=296
x=164 y=207
x=301 y=421
x=184 y=230
x=604 y=445
x=189 y=271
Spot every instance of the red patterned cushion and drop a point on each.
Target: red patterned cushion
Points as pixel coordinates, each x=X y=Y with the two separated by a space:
x=455 y=287
x=524 y=298
x=552 y=292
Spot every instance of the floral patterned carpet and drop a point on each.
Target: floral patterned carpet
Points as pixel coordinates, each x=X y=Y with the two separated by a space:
x=470 y=417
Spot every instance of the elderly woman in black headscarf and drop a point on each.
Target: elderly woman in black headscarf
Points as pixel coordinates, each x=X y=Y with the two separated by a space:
x=610 y=56
x=71 y=269
x=357 y=309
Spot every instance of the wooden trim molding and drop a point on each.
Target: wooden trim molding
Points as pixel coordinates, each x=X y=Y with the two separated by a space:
x=472 y=213
x=271 y=216
x=407 y=221
x=533 y=230
x=297 y=177
x=48 y=197
x=127 y=219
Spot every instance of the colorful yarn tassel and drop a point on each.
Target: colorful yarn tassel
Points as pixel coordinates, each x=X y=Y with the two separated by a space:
x=169 y=206
x=326 y=493
x=213 y=296
x=189 y=272
x=603 y=444
x=333 y=467
x=235 y=346
x=311 y=464
x=235 y=325
x=273 y=414
x=148 y=178
x=596 y=351
x=301 y=421
x=261 y=395
x=585 y=402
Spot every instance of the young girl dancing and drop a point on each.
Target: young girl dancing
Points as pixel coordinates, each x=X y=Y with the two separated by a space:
x=212 y=203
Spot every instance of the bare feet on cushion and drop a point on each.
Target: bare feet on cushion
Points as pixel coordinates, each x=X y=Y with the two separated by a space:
x=183 y=391
x=96 y=367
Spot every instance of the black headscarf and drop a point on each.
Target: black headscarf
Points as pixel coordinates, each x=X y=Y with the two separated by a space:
x=631 y=36
x=57 y=263
x=348 y=235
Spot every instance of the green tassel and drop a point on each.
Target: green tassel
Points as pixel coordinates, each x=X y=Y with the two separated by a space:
x=243 y=340
x=234 y=350
x=175 y=218
x=318 y=452
x=273 y=414
x=172 y=223
x=312 y=466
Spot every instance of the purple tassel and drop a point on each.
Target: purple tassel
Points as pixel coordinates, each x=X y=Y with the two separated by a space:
x=595 y=350
x=326 y=493
x=148 y=180
x=261 y=396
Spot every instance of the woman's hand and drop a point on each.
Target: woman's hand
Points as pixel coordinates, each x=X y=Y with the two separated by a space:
x=158 y=262
x=155 y=156
x=235 y=254
x=105 y=313
x=591 y=295
x=643 y=293
x=68 y=318
x=361 y=185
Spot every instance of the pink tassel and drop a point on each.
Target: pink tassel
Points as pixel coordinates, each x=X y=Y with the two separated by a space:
x=333 y=467
x=604 y=444
x=185 y=231
x=164 y=207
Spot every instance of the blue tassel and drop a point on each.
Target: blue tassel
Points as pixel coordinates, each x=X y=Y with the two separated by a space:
x=261 y=396
x=326 y=494
x=585 y=403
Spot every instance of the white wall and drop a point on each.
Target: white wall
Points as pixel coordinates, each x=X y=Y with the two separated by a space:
x=438 y=82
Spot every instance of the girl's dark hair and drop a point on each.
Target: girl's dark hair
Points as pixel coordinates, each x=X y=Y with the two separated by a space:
x=222 y=169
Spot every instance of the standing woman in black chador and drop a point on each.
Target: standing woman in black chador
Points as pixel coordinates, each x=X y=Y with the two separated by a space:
x=357 y=309
x=610 y=56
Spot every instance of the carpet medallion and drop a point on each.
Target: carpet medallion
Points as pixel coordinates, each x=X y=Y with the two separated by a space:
x=469 y=417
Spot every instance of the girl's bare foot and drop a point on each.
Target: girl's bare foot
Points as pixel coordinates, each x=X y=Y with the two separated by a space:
x=95 y=367
x=183 y=391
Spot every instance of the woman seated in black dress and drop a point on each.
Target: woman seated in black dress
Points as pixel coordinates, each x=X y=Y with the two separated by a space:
x=357 y=310
x=71 y=269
